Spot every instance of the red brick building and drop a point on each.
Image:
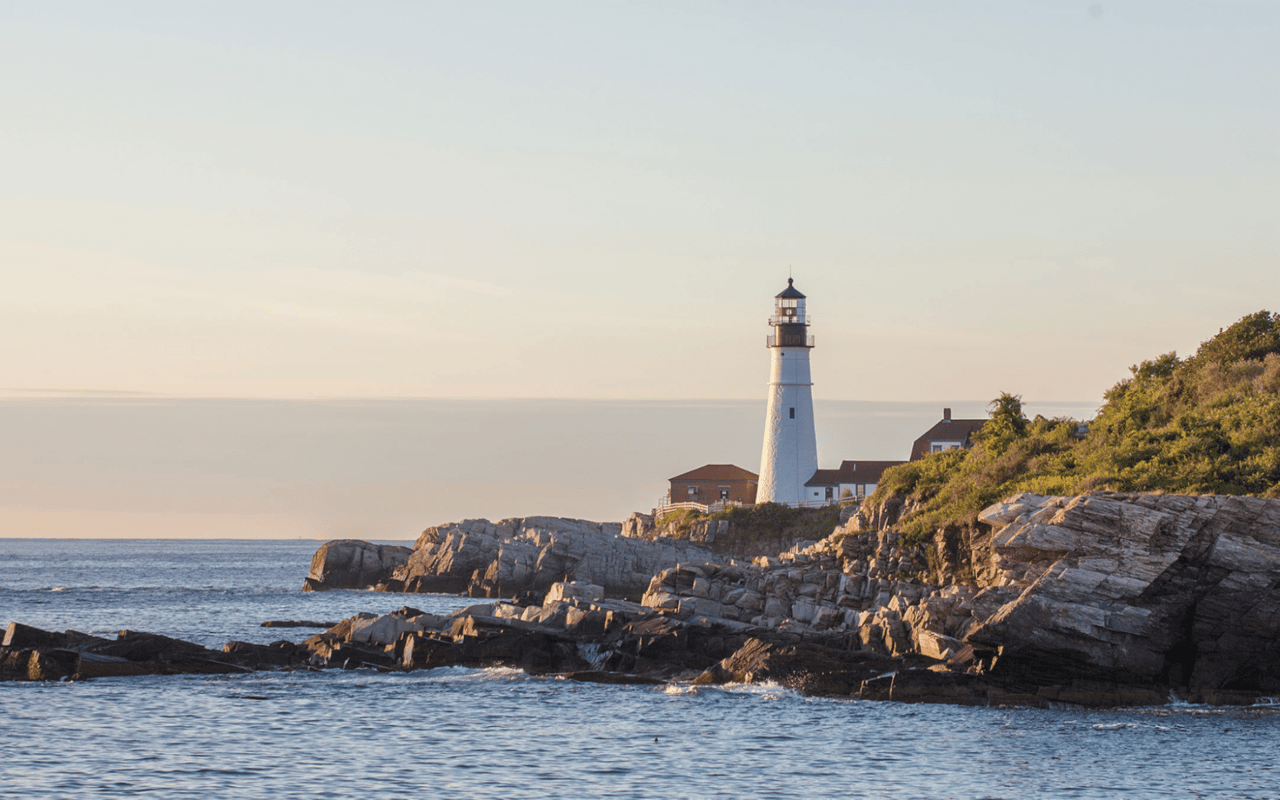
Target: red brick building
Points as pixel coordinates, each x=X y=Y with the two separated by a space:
x=715 y=482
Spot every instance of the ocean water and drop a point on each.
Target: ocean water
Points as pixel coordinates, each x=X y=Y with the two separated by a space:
x=498 y=733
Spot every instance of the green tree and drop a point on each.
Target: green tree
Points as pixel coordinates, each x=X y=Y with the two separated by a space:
x=1007 y=423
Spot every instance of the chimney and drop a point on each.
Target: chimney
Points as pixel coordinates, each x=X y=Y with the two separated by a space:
x=946 y=415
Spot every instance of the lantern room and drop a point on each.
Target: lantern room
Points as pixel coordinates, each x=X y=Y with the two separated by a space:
x=789 y=321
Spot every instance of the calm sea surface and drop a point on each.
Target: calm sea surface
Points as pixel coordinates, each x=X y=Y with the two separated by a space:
x=498 y=733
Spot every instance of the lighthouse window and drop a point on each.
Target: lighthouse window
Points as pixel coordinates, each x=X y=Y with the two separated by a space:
x=793 y=413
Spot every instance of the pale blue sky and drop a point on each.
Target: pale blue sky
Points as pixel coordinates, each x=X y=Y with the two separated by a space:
x=597 y=202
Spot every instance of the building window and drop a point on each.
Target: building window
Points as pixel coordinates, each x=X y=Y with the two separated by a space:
x=724 y=492
x=693 y=491
x=793 y=413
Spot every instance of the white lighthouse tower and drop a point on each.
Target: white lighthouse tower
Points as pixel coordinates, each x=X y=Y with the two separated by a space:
x=790 y=454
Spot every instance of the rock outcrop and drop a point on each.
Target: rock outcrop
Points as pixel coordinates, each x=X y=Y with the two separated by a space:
x=479 y=558
x=1166 y=589
x=32 y=654
x=353 y=564
x=1098 y=599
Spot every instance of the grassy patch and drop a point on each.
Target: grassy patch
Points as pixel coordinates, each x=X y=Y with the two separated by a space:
x=764 y=529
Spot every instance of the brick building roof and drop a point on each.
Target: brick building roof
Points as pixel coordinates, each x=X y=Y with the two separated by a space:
x=717 y=472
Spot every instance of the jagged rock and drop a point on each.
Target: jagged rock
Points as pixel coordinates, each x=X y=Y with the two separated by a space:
x=353 y=564
x=639 y=526
x=1117 y=590
x=877 y=517
x=1167 y=589
x=485 y=559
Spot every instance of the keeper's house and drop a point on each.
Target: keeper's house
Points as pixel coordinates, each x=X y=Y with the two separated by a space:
x=948 y=434
x=853 y=480
x=714 y=483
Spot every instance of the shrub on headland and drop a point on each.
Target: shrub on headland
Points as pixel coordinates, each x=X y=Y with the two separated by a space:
x=1209 y=424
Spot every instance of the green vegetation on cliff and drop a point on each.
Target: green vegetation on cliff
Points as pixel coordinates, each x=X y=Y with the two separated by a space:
x=1209 y=424
x=764 y=529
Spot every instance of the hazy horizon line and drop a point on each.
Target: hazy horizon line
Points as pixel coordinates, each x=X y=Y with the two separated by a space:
x=123 y=394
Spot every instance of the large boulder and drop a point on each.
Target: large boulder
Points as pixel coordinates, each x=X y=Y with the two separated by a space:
x=353 y=564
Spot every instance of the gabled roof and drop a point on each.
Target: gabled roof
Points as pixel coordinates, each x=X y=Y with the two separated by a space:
x=955 y=430
x=717 y=472
x=790 y=292
x=852 y=472
x=824 y=477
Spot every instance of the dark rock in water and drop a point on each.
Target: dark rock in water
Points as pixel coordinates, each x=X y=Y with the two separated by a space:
x=932 y=686
x=52 y=664
x=289 y=623
x=24 y=636
x=13 y=663
x=94 y=665
x=79 y=655
x=140 y=646
x=821 y=668
x=259 y=656
x=353 y=564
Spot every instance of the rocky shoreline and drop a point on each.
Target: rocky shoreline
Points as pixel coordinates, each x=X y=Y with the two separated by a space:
x=1094 y=599
x=1099 y=600
x=575 y=634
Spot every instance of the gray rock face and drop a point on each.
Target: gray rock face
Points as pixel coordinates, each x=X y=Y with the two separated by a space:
x=1166 y=588
x=1149 y=590
x=353 y=564
x=486 y=559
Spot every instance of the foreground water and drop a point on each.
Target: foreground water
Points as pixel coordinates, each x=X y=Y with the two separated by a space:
x=498 y=733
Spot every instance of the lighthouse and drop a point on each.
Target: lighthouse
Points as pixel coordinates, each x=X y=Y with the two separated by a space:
x=790 y=454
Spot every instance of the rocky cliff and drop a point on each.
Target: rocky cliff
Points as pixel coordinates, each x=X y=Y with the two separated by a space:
x=1100 y=599
x=1068 y=599
x=480 y=558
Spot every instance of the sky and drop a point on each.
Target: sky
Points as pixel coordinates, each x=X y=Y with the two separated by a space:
x=595 y=203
